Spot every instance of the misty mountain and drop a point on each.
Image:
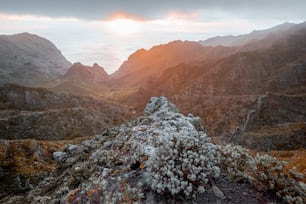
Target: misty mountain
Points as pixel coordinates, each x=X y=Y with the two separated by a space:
x=95 y=74
x=30 y=60
x=83 y=80
x=224 y=91
x=220 y=84
x=145 y=64
x=248 y=90
x=241 y=40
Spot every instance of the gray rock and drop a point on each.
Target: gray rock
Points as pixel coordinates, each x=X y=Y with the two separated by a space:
x=71 y=147
x=60 y=157
x=196 y=122
x=160 y=104
x=218 y=193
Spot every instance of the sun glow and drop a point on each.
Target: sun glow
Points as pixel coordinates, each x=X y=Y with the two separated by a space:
x=123 y=26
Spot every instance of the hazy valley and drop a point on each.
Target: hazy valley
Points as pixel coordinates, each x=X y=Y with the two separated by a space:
x=66 y=129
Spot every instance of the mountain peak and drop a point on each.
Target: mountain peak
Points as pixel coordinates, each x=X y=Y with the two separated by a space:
x=25 y=34
x=95 y=73
x=96 y=65
x=32 y=56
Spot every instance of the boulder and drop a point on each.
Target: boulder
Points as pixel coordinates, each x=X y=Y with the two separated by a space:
x=160 y=104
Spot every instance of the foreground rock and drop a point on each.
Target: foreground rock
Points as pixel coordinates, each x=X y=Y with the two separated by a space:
x=162 y=157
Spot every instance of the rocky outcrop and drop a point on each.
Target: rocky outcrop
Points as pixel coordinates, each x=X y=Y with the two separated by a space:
x=28 y=59
x=159 y=157
x=158 y=105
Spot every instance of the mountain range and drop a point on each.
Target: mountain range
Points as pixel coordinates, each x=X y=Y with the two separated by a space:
x=220 y=79
x=248 y=90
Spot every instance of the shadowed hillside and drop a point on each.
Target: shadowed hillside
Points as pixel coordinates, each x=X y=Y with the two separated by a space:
x=36 y=113
x=28 y=59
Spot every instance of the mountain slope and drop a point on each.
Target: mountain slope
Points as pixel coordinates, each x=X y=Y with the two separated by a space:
x=37 y=113
x=162 y=156
x=224 y=91
x=148 y=64
x=254 y=36
x=94 y=74
x=83 y=80
x=28 y=59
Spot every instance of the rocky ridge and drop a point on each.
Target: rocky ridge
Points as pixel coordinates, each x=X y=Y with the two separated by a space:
x=165 y=157
x=94 y=74
x=242 y=40
x=83 y=80
x=37 y=113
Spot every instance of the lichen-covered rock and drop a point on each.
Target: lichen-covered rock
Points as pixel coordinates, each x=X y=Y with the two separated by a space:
x=59 y=157
x=181 y=157
x=163 y=156
x=160 y=104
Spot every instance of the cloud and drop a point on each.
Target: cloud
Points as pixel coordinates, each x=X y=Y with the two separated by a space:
x=145 y=9
x=19 y=17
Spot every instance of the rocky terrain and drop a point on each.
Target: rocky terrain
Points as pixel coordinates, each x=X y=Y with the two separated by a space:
x=225 y=92
x=144 y=65
x=23 y=163
x=83 y=80
x=30 y=60
x=69 y=142
x=162 y=156
x=36 y=113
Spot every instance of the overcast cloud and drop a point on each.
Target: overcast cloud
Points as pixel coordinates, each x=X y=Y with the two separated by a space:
x=100 y=9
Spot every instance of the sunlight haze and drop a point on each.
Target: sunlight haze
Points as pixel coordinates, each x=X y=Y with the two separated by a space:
x=107 y=33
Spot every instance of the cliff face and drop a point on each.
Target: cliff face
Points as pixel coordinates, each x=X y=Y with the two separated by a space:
x=28 y=59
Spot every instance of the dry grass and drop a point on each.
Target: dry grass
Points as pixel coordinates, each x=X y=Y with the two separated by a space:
x=295 y=158
x=31 y=156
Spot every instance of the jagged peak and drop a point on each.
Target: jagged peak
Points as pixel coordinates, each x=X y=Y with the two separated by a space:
x=77 y=64
x=97 y=65
x=93 y=72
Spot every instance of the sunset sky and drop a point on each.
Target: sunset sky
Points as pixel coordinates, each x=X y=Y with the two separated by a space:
x=107 y=32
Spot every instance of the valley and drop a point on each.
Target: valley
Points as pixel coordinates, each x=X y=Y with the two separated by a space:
x=247 y=90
